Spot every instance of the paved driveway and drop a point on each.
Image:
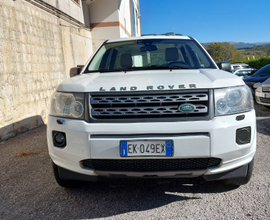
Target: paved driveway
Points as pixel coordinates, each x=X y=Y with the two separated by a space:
x=28 y=189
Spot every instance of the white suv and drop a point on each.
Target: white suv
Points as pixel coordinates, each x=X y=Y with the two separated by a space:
x=149 y=107
x=237 y=66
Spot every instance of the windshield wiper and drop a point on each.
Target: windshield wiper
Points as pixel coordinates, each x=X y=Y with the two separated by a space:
x=177 y=67
x=166 y=67
x=109 y=70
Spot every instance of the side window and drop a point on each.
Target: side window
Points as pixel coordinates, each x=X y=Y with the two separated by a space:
x=134 y=16
x=117 y=62
x=240 y=73
x=108 y=59
x=193 y=57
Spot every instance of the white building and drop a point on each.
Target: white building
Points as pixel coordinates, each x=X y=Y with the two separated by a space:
x=113 y=19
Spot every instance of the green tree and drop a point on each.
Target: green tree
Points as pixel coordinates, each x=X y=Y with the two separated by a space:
x=223 y=52
x=216 y=51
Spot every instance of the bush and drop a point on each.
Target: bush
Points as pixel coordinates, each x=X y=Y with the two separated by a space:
x=258 y=63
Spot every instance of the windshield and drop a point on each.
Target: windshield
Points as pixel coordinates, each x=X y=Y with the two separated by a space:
x=264 y=71
x=150 y=54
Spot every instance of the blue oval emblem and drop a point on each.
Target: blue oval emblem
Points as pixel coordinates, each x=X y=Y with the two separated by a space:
x=187 y=108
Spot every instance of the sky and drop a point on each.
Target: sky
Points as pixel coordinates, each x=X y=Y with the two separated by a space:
x=208 y=20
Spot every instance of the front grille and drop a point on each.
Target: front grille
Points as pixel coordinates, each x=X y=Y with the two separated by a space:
x=148 y=105
x=266 y=88
x=264 y=100
x=150 y=165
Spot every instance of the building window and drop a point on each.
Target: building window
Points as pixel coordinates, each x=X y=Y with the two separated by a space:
x=77 y=1
x=134 y=19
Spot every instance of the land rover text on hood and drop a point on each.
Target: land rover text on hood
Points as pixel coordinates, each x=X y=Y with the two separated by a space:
x=152 y=107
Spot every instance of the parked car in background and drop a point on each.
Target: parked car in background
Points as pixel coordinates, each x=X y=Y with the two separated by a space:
x=262 y=93
x=260 y=76
x=236 y=66
x=244 y=73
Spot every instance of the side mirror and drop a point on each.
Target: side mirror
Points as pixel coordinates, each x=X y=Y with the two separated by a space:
x=224 y=66
x=74 y=71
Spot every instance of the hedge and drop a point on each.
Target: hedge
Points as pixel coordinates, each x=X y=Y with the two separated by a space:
x=258 y=63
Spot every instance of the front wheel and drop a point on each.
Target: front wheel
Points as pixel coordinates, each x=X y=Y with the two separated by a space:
x=241 y=180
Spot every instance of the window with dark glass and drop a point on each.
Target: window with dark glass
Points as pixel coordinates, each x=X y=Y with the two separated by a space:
x=150 y=54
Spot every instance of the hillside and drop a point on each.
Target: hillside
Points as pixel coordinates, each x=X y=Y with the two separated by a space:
x=241 y=44
x=244 y=45
x=256 y=51
x=245 y=51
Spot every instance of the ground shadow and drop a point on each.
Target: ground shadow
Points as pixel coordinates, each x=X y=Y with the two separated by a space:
x=117 y=196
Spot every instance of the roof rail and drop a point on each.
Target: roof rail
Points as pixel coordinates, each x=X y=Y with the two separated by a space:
x=172 y=34
x=166 y=34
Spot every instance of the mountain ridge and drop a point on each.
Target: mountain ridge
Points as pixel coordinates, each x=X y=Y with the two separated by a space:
x=242 y=44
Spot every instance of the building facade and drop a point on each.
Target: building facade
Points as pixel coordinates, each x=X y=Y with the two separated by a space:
x=40 y=40
x=121 y=18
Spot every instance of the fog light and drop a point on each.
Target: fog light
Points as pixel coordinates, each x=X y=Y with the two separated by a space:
x=59 y=139
x=243 y=135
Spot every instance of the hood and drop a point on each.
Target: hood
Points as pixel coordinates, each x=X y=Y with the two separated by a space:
x=256 y=79
x=266 y=82
x=150 y=80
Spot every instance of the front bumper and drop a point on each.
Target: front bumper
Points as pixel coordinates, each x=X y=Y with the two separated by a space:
x=215 y=138
x=262 y=98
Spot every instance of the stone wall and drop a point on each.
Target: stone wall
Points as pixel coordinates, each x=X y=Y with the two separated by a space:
x=37 y=49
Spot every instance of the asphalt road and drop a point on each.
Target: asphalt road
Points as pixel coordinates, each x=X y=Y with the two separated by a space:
x=29 y=191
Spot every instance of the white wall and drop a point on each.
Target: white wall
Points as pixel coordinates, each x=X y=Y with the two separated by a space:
x=69 y=7
x=37 y=50
x=124 y=18
x=103 y=11
x=111 y=19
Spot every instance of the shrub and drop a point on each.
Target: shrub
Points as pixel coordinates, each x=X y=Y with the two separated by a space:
x=258 y=63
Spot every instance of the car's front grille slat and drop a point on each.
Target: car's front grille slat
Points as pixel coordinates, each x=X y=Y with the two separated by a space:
x=264 y=100
x=157 y=105
x=150 y=165
x=145 y=110
x=266 y=89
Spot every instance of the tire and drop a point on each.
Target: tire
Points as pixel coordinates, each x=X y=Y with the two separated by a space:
x=242 y=180
x=64 y=182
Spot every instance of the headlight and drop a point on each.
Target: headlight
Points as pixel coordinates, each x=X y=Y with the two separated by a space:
x=69 y=105
x=233 y=100
x=259 y=88
x=256 y=85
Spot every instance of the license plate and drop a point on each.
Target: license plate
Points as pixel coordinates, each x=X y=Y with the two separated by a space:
x=146 y=148
x=266 y=95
